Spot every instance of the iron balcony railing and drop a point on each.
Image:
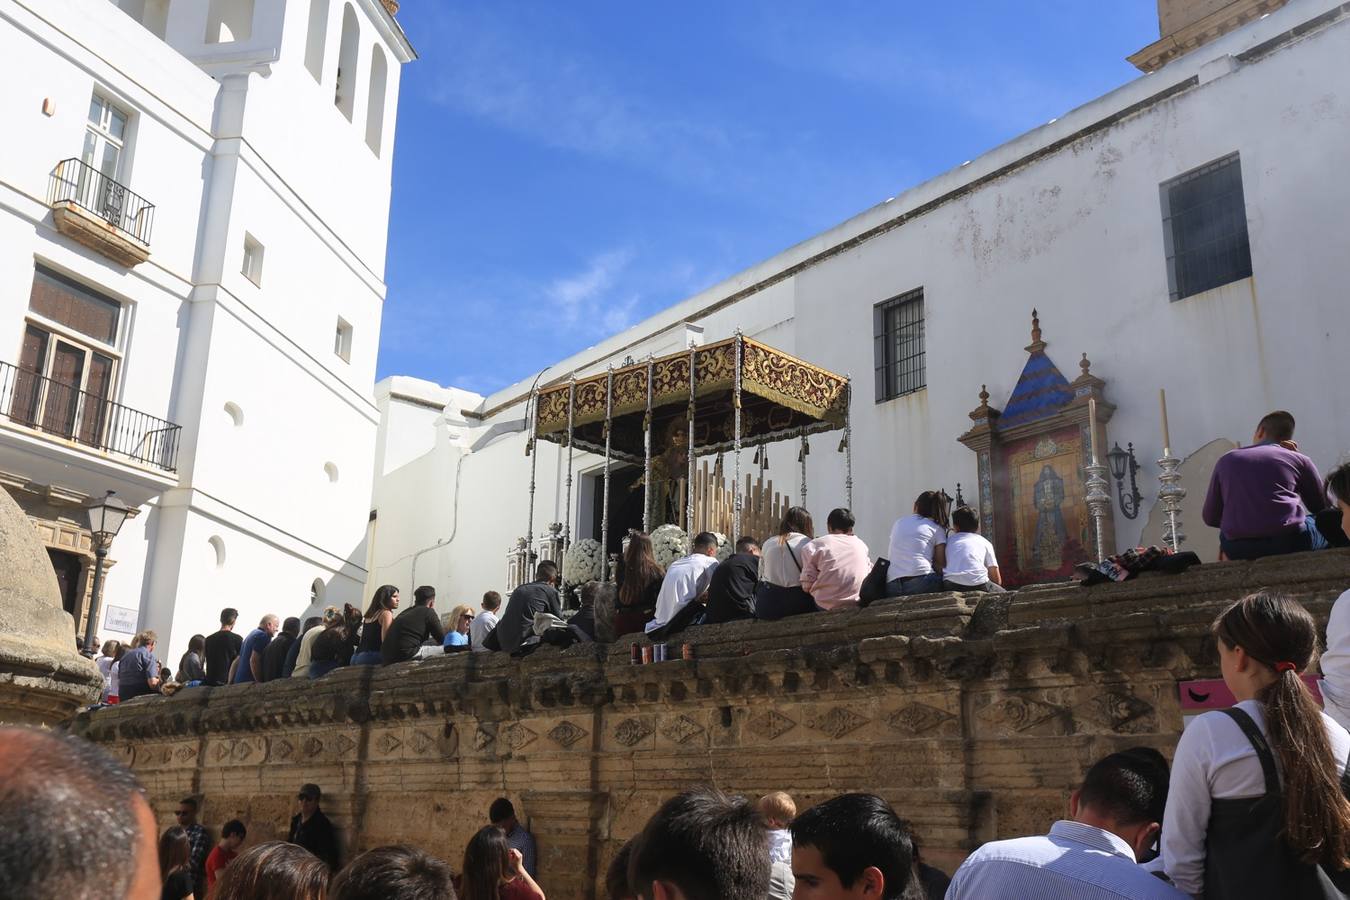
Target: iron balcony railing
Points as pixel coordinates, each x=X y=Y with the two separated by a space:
x=53 y=407
x=77 y=182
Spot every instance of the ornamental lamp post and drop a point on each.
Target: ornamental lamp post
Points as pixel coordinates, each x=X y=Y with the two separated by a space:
x=1123 y=462
x=106 y=515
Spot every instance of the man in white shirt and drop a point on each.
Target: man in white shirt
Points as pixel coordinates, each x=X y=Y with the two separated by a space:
x=686 y=580
x=485 y=621
x=1117 y=815
x=971 y=564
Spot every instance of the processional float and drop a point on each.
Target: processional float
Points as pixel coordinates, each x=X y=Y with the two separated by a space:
x=665 y=412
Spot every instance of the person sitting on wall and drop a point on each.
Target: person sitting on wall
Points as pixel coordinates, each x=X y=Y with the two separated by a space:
x=138 y=673
x=248 y=668
x=516 y=628
x=702 y=843
x=851 y=846
x=1263 y=498
x=971 y=564
x=274 y=657
x=918 y=548
x=1335 y=664
x=731 y=591
x=457 y=626
x=416 y=632
x=835 y=564
x=293 y=655
x=485 y=621
x=639 y=578
x=1115 y=818
x=780 y=591
x=686 y=582
x=222 y=648
x=336 y=643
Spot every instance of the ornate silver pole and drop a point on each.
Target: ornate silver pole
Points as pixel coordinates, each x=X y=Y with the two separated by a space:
x=647 y=454
x=689 y=499
x=848 y=441
x=1098 y=500
x=736 y=444
x=1170 y=494
x=604 y=515
x=532 y=420
x=806 y=449
x=567 y=510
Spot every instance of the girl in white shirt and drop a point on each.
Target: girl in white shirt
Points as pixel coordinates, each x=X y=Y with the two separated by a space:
x=918 y=548
x=1256 y=802
x=1336 y=661
x=780 y=593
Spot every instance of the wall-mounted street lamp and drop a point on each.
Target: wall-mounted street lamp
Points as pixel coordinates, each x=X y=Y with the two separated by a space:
x=106 y=515
x=1123 y=461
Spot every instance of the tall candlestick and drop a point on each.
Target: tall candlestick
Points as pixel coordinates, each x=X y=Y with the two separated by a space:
x=1092 y=428
x=1167 y=438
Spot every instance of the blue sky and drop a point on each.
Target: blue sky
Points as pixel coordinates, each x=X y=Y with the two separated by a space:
x=563 y=170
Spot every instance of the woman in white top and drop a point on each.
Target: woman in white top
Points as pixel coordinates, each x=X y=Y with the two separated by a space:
x=107 y=655
x=918 y=548
x=1336 y=661
x=1256 y=805
x=780 y=591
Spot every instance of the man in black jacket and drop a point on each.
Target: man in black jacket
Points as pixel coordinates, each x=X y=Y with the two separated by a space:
x=415 y=633
x=516 y=628
x=311 y=829
x=274 y=657
x=731 y=593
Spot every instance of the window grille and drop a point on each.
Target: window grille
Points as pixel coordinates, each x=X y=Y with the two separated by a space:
x=1205 y=228
x=898 y=345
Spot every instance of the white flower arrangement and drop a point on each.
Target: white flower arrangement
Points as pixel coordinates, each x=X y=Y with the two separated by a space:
x=669 y=543
x=581 y=563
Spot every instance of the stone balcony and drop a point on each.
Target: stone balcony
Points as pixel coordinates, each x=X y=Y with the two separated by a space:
x=91 y=209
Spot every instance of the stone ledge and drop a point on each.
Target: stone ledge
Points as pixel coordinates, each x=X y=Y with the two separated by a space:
x=99 y=235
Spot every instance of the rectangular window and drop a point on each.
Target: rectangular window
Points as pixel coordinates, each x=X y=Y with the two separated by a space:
x=1205 y=228
x=897 y=328
x=105 y=136
x=253 y=259
x=67 y=362
x=342 y=340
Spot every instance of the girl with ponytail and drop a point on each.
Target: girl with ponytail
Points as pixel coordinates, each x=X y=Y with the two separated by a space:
x=1257 y=806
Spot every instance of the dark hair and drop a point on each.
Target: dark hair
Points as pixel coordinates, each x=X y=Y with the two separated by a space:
x=1338 y=486
x=233 y=827
x=639 y=570
x=1128 y=787
x=312 y=622
x=710 y=845
x=1278 y=425
x=546 y=571
x=196 y=644
x=616 y=876
x=68 y=814
x=745 y=544
x=273 y=870
x=705 y=540
x=964 y=519
x=1274 y=630
x=501 y=810
x=424 y=595
x=311 y=790
x=382 y=600
x=589 y=591
x=189 y=801
x=797 y=519
x=394 y=873
x=933 y=505
x=487 y=859
x=854 y=832
x=840 y=519
x=174 y=850
x=228 y=615
x=291 y=625
x=491 y=600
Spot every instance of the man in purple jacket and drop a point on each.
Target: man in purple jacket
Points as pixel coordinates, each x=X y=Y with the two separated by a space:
x=1262 y=497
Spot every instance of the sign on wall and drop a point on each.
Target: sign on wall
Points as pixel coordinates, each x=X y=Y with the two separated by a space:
x=119 y=618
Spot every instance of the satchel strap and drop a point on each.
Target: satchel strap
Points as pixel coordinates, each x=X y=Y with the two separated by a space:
x=1258 y=741
x=792 y=553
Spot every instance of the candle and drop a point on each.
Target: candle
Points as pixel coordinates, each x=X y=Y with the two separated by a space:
x=1167 y=438
x=1092 y=428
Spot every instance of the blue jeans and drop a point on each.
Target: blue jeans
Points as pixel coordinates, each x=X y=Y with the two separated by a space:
x=1306 y=538
x=320 y=669
x=367 y=658
x=914 y=584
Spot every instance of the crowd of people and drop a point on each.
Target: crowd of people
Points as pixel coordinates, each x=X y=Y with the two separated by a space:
x=1254 y=804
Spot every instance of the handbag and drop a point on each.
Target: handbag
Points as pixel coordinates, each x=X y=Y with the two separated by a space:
x=874 y=585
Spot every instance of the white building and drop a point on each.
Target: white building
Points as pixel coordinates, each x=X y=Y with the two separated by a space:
x=1103 y=219
x=194 y=200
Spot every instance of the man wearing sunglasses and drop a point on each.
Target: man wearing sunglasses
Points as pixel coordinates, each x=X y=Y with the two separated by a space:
x=311 y=829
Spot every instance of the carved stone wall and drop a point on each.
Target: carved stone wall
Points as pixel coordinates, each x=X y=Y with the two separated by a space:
x=975 y=715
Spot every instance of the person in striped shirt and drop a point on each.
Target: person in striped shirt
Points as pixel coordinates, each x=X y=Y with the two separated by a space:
x=1116 y=817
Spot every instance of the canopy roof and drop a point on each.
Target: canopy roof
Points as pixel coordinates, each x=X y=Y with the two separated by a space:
x=781 y=397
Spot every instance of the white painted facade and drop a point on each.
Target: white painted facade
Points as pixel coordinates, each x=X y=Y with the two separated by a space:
x=238 y=134
x=1067 y=219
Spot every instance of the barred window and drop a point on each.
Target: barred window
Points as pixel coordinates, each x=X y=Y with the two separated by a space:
x=897 y=326
x=1205 y=228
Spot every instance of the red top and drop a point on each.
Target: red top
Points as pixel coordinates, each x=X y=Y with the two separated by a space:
x=216 y=860
x=518 y=889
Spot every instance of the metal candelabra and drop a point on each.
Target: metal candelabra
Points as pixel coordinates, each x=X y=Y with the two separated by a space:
x=1098 y=503
x=1170 y=495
